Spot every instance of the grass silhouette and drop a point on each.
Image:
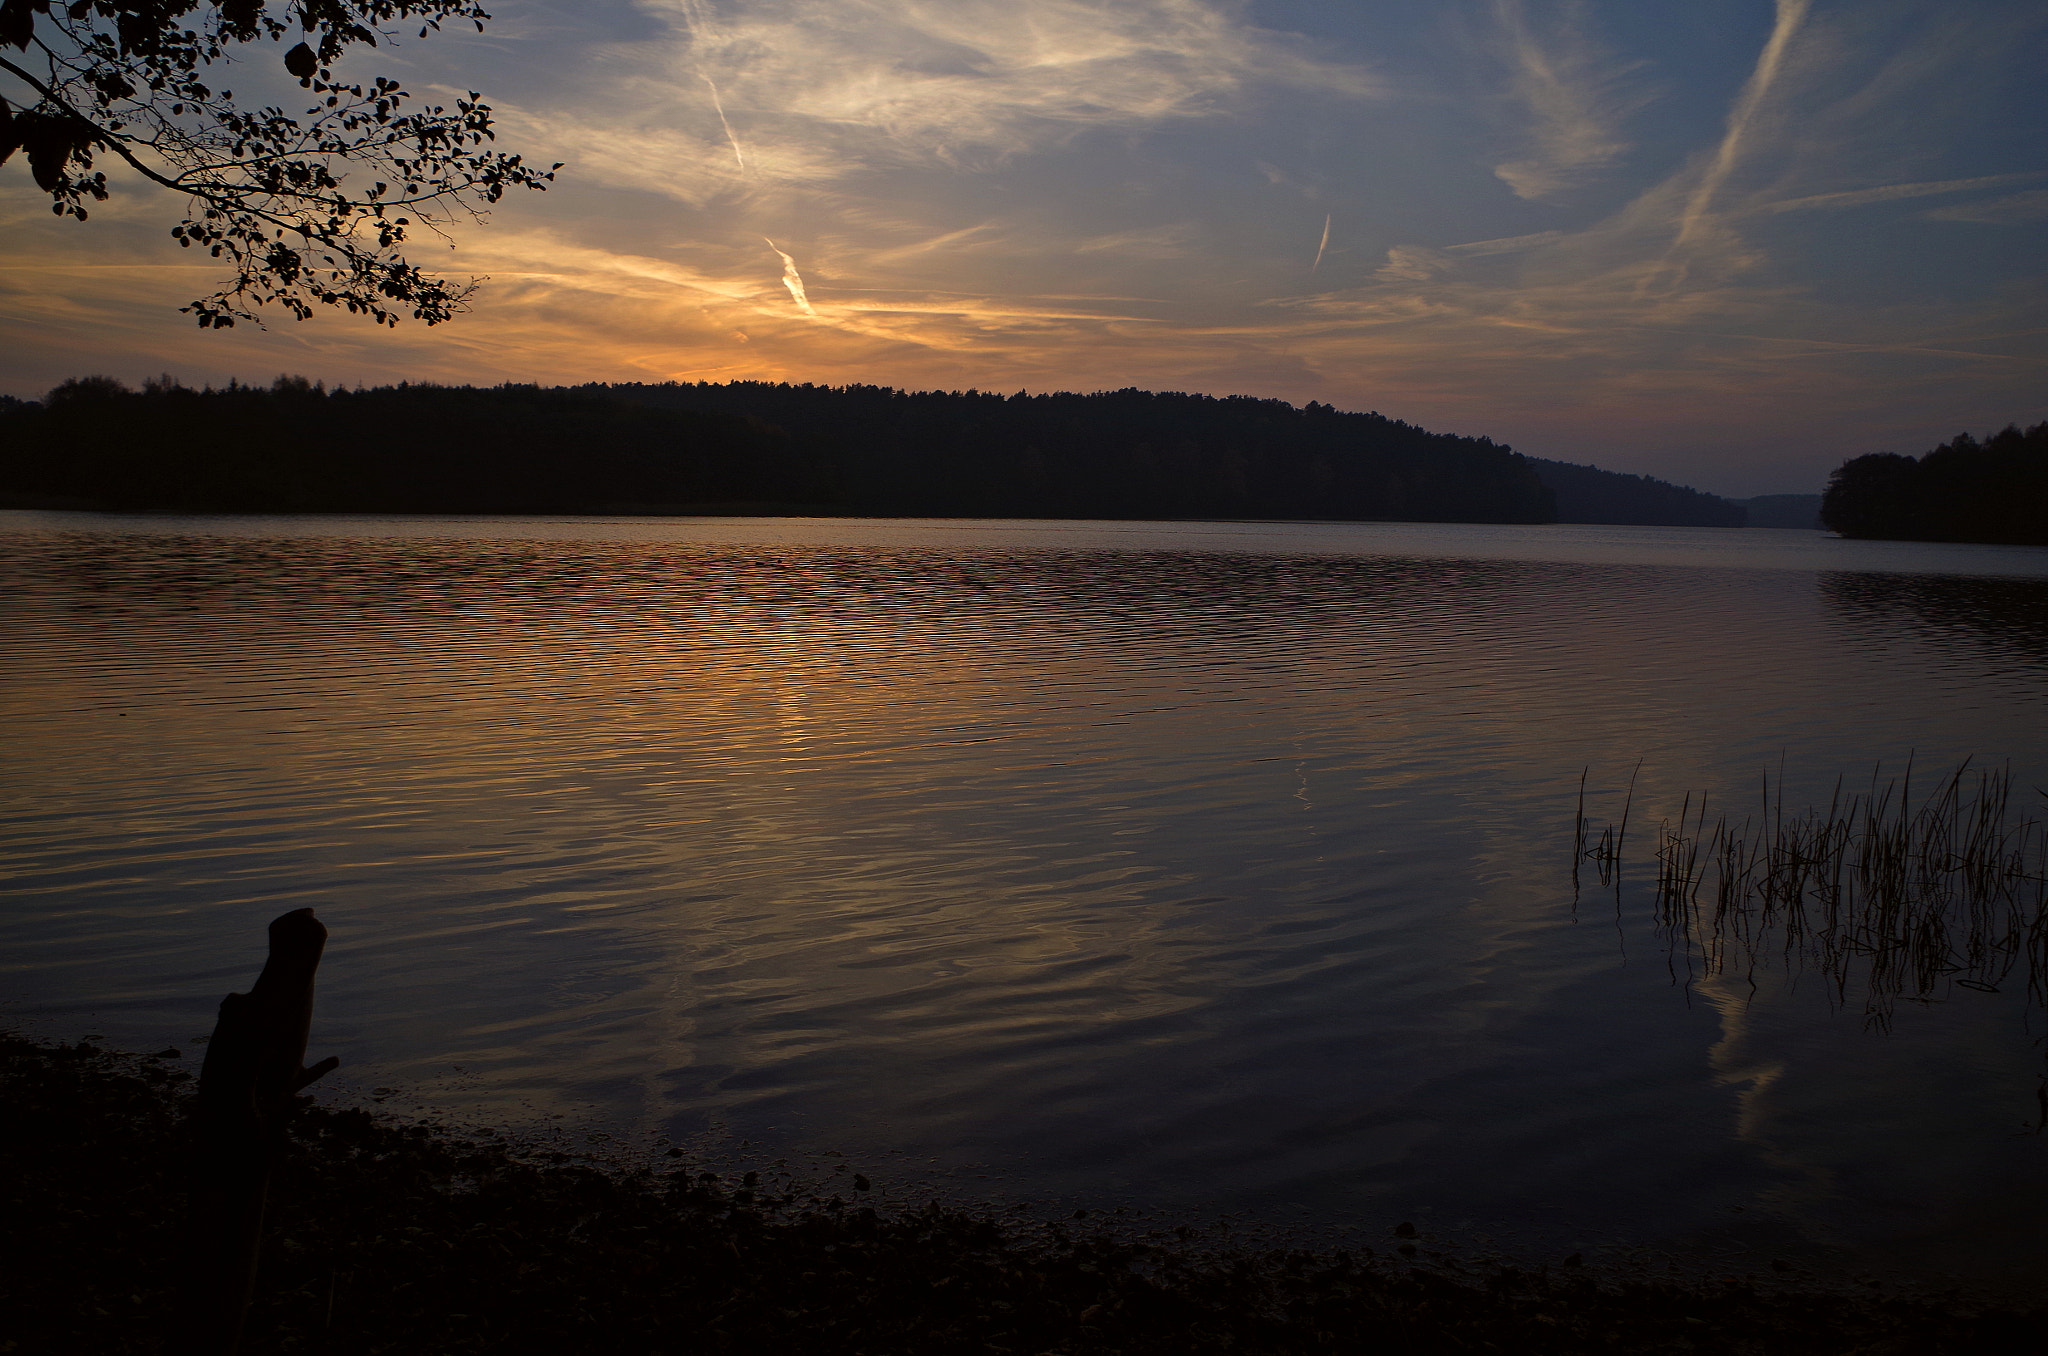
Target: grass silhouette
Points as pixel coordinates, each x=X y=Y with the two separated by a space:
x=1888 y=895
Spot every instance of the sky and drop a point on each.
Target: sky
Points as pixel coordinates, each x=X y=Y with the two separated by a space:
x=1724 y=242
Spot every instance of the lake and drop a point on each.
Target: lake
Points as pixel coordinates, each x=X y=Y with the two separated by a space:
x=1194 y=867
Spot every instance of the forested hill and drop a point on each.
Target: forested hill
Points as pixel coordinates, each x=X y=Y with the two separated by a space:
x=1123 y=454
x=1587 y=494
x=293 y=447
x=1964 y=490
x=759 y=446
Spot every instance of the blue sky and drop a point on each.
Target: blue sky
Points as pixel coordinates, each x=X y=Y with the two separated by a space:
x=1728 y=242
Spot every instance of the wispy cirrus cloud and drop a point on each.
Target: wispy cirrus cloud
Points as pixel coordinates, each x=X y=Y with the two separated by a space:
x=1683 y=300
x=1757 y=112
x=1574 y=95
x=740 y=101
x=2012 y=210
x=1863 y=197
x=964 y=82
x=1088 y=193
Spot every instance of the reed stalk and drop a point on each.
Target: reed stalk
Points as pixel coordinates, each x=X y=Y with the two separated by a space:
x=1890 y=896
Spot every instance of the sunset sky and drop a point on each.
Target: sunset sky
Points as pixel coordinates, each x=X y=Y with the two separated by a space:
x=1725 y=242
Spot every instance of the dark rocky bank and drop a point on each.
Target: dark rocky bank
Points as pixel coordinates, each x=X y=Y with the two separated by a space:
x=391 y=1238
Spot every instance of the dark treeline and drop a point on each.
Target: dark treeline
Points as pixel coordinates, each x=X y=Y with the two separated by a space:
x=1125 y=454
x=1587 y=494
x=293 y=447
x=1964 y=490
x=762 y=446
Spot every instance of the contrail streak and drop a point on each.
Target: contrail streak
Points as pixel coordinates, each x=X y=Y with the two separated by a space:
x=731 y=140
x=1322 y=245
x=695 y=16
x=1791 y=14
x=792 y=279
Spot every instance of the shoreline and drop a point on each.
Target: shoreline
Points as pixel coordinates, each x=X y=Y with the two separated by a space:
x=389 y=1237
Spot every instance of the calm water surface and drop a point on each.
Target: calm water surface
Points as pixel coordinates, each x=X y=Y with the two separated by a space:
x=1200 y=866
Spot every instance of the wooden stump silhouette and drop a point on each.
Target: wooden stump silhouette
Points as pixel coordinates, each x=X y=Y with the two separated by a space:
x=248 y=1090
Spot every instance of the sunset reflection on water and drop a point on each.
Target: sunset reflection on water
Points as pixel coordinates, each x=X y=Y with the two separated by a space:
x=1209 y=869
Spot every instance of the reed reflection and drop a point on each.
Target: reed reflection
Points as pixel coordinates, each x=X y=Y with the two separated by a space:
x=1891 y=896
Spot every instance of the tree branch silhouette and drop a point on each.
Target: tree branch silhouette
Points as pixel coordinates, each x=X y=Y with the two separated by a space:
x=280 y=199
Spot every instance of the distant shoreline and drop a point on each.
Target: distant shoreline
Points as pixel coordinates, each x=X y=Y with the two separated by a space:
x=739 y=448
x=789 y=511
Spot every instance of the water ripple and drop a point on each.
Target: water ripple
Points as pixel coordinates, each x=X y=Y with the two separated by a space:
x=1216 y=865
